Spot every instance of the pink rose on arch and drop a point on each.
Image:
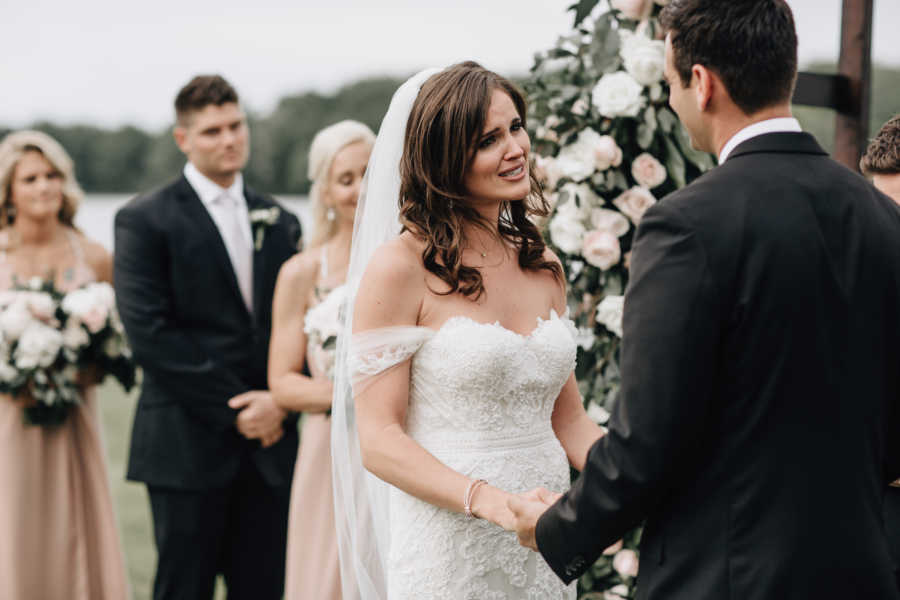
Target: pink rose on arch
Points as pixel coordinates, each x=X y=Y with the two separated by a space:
x=613 y=549
x=625 y=562
x=634 y=203
x=634 y=9
x=607 y=153
x=601 y=249
x=648 y=171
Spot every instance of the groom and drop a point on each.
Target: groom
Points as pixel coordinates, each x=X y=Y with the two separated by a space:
x=195 y=269
x=758 y=422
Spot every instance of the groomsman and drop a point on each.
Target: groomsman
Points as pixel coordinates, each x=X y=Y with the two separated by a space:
x=757 y=424
x=881 y=161
x=195 y=269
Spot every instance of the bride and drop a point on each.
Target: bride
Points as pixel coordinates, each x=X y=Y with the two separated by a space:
x=461 y=358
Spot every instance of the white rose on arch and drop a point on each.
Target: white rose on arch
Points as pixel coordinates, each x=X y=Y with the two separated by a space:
x=644 y=59
x=611 y=221
x=647 y=171
x=618 y=95
x=609 y=313
x=566 y=228
x=601 y=249
x=634 y=203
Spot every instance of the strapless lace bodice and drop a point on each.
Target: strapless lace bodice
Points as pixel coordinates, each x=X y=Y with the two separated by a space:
x=480 y=400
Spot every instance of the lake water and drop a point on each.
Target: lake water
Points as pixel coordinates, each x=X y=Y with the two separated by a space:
x=95 y=215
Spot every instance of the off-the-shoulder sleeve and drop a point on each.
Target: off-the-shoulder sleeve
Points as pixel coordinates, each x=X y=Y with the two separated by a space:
x=375 y=351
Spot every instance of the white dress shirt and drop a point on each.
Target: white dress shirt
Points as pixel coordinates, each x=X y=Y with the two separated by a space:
x=781 y=124
x=237 y=236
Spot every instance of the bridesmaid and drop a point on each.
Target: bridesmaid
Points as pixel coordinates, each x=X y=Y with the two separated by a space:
x=56 y=512
x=308 y=295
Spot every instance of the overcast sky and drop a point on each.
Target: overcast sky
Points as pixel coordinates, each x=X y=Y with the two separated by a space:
x=110 y=63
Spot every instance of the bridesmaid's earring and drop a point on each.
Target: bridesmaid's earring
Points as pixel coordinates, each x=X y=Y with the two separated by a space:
x=329 y=214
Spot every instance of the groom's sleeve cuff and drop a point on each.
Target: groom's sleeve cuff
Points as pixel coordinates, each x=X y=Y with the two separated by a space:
x=558 y=552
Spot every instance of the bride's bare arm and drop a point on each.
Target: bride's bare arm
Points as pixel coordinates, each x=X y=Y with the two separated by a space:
x=573 y=427
x=391 y=294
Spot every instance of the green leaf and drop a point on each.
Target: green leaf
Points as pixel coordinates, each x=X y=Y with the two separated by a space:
x=582 y=9
x=666 y=119
x=675 y=163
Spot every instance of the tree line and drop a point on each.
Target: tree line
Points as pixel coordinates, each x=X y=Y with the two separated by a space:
x=129 y=159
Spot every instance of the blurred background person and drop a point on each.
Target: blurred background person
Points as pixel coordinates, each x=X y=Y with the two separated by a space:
x=881 y=162
x=195 y=269
x=56 y=514
x=308 y=297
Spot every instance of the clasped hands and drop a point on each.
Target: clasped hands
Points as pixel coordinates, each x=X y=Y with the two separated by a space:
x=259 y=417
x=527 y=508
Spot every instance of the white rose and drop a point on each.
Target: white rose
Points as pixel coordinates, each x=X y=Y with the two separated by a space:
x=633 y=9
x=625 y=562
x=566 y=229
x=580 y=107
x=634 y=203
x=612 y=221
x=600 y=416
x=607 y=153
x=575 y=161
x=609 y=313
x=15 y=319
x=647 y=171
x=41 y=305
x=7 y=372
x=601 y=249
x=74 y=335
x=547 y=171
x=586 y=196
x=91 y=305
x=38 y=346
x=618 y=95
x=585 y=337
x=644 y=59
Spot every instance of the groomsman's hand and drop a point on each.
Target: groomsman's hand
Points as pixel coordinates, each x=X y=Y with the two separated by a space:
x=527 y=509
x=260 y=417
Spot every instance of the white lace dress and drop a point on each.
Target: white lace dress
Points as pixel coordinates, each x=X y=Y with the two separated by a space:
x=481 y=397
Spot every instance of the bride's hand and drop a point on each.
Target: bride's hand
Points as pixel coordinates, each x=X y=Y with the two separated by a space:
x=490 y=504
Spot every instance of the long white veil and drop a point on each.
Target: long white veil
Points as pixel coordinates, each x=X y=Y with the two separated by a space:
x=360 y=499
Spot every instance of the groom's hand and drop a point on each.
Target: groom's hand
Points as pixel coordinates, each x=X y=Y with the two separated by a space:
x=527 y=508
x=259 y=417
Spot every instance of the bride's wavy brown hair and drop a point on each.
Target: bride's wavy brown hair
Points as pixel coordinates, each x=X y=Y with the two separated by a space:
x=444 y=126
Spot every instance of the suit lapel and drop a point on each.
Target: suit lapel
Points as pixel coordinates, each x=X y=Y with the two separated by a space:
x=202 y=225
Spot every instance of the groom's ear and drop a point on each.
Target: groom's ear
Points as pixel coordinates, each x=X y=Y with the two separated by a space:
x=705 y=82
x=180 y=135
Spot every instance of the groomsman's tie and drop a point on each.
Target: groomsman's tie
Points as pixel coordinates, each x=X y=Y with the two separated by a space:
x=239 y=248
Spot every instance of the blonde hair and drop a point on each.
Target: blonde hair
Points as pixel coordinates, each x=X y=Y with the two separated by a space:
x=325 y=146
x=13 y=147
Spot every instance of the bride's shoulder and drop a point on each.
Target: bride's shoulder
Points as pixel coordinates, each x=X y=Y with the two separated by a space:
x=398 y=259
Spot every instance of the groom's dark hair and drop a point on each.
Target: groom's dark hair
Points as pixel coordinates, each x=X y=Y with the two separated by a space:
x=750 y=44
x=200 y=92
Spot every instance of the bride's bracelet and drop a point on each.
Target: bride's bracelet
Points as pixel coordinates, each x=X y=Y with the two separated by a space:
x=470 y=495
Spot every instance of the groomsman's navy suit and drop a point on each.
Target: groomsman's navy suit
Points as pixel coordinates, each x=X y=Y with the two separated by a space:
x=757 y=425
x=199 y=346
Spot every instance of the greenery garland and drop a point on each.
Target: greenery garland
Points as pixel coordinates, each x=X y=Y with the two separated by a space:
x=607 y=146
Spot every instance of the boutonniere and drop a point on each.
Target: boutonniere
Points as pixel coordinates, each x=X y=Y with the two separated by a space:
x=260 y=218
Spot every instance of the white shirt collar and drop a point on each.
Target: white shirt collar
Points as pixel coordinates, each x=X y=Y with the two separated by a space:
x=210 y=191
x=779 y=124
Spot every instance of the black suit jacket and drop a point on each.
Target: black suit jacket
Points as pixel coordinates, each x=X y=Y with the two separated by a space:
x=196 y=341
x=760 y=375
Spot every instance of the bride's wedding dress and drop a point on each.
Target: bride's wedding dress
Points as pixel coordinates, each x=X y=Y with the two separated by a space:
x=480 y=400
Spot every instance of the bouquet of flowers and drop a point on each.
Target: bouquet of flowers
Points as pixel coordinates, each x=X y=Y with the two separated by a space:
x=50 y=340
x=608 y=147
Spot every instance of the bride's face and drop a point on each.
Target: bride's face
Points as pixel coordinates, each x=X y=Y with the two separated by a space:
x=36 y=187
x=499 y=171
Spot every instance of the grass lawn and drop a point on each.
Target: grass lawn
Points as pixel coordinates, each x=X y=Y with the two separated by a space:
x=130 y=499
